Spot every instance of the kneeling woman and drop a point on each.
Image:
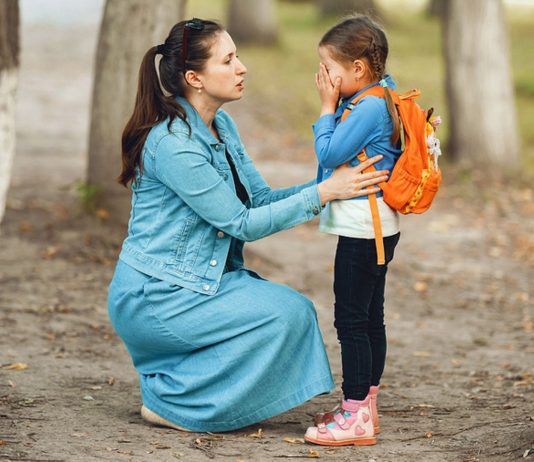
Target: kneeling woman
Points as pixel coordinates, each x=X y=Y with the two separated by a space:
x=216 y=346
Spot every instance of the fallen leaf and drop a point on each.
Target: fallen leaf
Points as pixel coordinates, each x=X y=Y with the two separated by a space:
x=111 y=381
x=50 y=252
x=102 y=213
x=294 y=440
x=25 y=227
x=16 y=366
x=312 y=454
x=420 y=286
x=88 y=398
x=95 y=387
x=429 y=435
x=2 y=443
x=258 y=434
x=11 y=383
x=422 y=354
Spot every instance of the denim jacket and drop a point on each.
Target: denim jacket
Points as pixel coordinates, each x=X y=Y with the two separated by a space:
x=185 y=213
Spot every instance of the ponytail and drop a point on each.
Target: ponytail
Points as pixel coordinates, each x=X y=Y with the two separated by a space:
x=151 y=107
x=392 y=109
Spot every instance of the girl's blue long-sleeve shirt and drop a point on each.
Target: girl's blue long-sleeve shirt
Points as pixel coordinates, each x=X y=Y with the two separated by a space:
x=368 y=126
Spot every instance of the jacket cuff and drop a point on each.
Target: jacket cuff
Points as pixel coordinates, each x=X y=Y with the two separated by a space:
x=312 y=202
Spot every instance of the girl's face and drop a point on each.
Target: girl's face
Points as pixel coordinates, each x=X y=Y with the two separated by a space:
x=224 y=74
x=351 y=73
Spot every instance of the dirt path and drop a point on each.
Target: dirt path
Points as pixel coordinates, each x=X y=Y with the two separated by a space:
x=460 y=372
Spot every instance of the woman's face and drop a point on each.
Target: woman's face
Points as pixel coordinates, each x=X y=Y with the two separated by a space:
x=223 y=75
x=336 y=69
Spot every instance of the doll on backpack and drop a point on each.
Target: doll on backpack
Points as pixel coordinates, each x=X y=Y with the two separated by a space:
x=353 y=59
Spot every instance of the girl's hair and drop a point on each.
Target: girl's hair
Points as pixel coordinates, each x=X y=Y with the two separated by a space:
x=359 y=37
x=151 y=104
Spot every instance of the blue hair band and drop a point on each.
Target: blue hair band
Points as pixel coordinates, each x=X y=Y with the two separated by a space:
x=383 y=83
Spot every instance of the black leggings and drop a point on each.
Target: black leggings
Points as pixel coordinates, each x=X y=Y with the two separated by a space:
x=359 y=285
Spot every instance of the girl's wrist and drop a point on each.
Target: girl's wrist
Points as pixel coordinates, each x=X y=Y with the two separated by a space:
x=328 y=110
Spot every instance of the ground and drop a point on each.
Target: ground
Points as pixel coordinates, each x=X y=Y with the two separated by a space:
x=459 y=376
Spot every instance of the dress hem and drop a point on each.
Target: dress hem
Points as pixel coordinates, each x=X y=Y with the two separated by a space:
x=319 y=387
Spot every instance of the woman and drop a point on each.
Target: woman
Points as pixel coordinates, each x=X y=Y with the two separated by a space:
x=216 y=346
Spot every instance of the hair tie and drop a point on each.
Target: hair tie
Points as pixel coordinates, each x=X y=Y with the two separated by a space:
x=383 y=83
x=159 y=49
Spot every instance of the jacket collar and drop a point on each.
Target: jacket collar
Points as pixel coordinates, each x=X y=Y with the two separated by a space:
x=198 y=125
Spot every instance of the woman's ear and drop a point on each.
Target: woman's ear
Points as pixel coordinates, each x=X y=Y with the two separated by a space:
x=192 y=80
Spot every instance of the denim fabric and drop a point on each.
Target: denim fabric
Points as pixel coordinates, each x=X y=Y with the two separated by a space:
x=221 y=362
x=359 y=284
x=185 y=209
x=368 y=126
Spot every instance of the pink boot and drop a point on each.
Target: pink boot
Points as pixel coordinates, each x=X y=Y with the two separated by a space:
x=373 y=392
x=351 y=425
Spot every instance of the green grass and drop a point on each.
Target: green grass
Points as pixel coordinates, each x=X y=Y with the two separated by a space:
x=281 y=77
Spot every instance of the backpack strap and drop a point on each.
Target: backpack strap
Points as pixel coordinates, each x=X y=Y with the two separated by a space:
x=375 y=214
x=362 y=156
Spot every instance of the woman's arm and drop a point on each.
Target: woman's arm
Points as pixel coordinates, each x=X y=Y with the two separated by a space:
x=186 y=170
x=262 y=193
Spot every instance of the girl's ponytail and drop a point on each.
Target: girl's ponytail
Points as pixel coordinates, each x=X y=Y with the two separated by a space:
x=392 y=109
x=378 y=64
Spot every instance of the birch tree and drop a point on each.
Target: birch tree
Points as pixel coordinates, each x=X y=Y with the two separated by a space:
x=252 y=21
x=128 y=30
x=9 y=63
x=344 y=7
x=480 y=96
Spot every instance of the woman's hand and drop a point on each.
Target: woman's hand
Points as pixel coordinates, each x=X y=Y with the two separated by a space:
x=347 y=182
x=328 y=91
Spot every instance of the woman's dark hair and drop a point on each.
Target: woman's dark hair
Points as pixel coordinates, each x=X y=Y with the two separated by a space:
x=359 y=37
x=151 y=104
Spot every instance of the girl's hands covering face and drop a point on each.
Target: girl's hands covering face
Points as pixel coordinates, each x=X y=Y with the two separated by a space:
x=328 y=90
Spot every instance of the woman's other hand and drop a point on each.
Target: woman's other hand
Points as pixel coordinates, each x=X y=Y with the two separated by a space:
x=328 y=90
x=347 y=182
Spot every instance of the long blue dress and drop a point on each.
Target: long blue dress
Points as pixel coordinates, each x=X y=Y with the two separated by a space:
x=216 y=346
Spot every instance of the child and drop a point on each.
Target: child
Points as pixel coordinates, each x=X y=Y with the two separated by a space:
x=353 y=58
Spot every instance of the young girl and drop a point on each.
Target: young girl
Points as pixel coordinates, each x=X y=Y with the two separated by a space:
x=353 y=59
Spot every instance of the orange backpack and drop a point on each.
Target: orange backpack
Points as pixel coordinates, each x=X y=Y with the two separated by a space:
x=415 y=179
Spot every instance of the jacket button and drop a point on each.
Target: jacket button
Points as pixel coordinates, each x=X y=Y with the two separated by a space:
x=220 y=234
x=206 y=287
x=217 y=147
x=315 y=211
x=213 y=262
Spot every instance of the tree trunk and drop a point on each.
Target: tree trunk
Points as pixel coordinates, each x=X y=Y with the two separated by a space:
x=344 y=7
x=437 y=8
x=483 y=127
x=128 y=30
x=9 y=63
x=252 y=21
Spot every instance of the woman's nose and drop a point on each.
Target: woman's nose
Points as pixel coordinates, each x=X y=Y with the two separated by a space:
x=241 y=69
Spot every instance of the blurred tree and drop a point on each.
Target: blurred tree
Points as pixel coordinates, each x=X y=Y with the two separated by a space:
x=127 y=31
x=252 y=21
x=437 y=8
x=343 y=7
x=9 y=63
x=480 y=95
